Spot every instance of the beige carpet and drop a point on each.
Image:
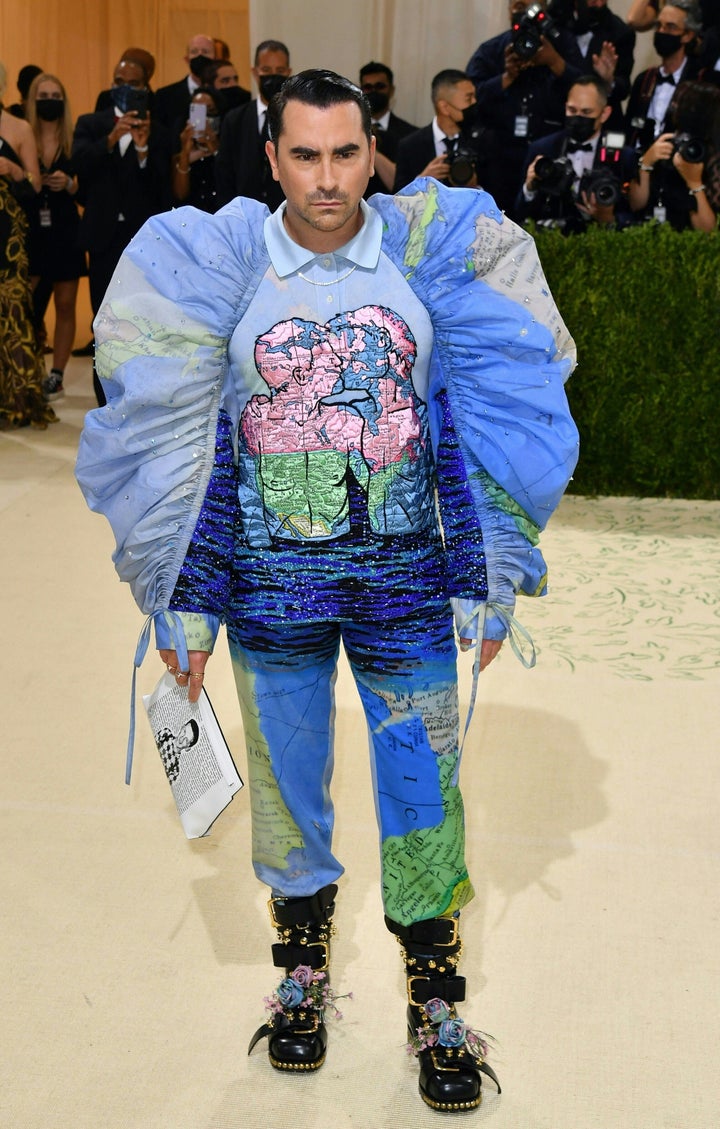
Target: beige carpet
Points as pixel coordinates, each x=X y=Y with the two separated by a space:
x=134 y=963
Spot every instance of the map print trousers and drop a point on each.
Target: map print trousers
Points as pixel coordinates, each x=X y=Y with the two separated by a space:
x=405 y=672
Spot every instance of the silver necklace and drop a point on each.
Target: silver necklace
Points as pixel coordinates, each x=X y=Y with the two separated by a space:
x=340 y=278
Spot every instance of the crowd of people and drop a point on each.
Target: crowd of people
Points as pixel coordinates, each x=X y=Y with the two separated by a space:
x=546 y=117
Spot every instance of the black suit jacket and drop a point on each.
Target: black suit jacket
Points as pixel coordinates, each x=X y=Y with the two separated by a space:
x=414 y=152
x=241 y=166
x=543 y=207
x=638 y=131
x=616 y=31
x=387 y=143
x=171 y=102
x=111 y=185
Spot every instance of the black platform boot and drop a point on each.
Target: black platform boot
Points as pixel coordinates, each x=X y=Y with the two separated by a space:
x=297 y=1038
x=451 y=1056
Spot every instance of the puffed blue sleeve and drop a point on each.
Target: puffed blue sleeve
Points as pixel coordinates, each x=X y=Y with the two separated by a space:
x=145 y=459
x=502 y=356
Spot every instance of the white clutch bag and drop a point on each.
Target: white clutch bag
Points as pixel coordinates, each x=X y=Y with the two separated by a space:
x=194 y=755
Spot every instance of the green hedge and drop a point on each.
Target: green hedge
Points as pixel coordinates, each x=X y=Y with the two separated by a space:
x=644 y=308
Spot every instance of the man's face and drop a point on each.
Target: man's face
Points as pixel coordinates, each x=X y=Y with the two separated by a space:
x=129 y=74
x=584 y=102
x=376 y=83
x=673 y=21
x=200 y=45
x=457 y=100
x=226 y=76
x=271 y=62
x=323 y=162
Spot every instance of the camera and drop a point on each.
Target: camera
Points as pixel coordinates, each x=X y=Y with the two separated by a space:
x=601 y=184
x=691 y=149
x=554 y=175
x=604 y=182
x=528 y=32
x=462 y=159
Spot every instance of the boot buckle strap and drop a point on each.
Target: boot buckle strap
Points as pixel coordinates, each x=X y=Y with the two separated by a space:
x=316 y=954
x=450 y=989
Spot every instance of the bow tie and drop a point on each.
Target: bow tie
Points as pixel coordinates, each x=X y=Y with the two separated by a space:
x=579 y=147
x=661 y=78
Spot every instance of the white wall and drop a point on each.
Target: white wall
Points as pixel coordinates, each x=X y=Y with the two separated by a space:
x=417 y=38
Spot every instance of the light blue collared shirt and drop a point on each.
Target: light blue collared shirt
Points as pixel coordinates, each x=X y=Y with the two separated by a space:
x=288 y=257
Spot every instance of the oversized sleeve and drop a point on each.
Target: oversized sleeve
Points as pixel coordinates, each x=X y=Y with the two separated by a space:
x=146 y=459
x=502 y=356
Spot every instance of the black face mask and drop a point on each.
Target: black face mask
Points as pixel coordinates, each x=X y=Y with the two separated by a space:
x=231 y=96
x=198 y=63
x=471 y=117
x=588 y=19
x=377 y=100
x=666 y=44
x=121 y=96
x=579 y=128
x=50 y=109
x=271 y=84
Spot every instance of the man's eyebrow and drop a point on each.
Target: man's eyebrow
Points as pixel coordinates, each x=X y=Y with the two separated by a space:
x=308 y=151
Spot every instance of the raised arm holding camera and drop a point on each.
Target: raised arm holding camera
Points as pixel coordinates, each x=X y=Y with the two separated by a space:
x=522 y=78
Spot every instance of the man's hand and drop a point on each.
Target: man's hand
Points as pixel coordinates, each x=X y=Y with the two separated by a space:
x=122 y=126
x=489 y=648
x=438 y=167
x=547 y=56
x=605 y=63
x=141 y=130
x=530 y=179
x=192 y=678
x=513 y=67
x=601 y=213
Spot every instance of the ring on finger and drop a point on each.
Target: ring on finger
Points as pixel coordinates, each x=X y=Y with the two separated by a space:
x=197 y=674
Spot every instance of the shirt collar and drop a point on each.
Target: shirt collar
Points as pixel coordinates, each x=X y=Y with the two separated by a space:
x=383 y=121
x=287 y=256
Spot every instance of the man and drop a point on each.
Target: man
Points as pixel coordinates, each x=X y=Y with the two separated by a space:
x=378 y=86
x=561 y=186
x=293 y=355
x=522 y=97
x=222 y=76
x=147 y=62
x=242 y=167
x=172 y=101
x=122 y=159
x=427 y=151
x=607 y=47
x=653 y=89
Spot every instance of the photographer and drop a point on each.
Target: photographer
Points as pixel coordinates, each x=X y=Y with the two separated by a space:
x=453 y=148
x=122 y=158
x=575 y=177
x=677 y=181
x=522 y=78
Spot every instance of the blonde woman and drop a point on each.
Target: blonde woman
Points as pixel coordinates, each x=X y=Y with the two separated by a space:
x=56 y=259
x=21 y=367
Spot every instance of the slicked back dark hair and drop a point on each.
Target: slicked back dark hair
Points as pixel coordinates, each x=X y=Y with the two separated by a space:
x=321 y=89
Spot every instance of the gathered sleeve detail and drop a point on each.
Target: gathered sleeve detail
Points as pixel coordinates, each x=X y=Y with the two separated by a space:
x=147 y=458
x=502 y=356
